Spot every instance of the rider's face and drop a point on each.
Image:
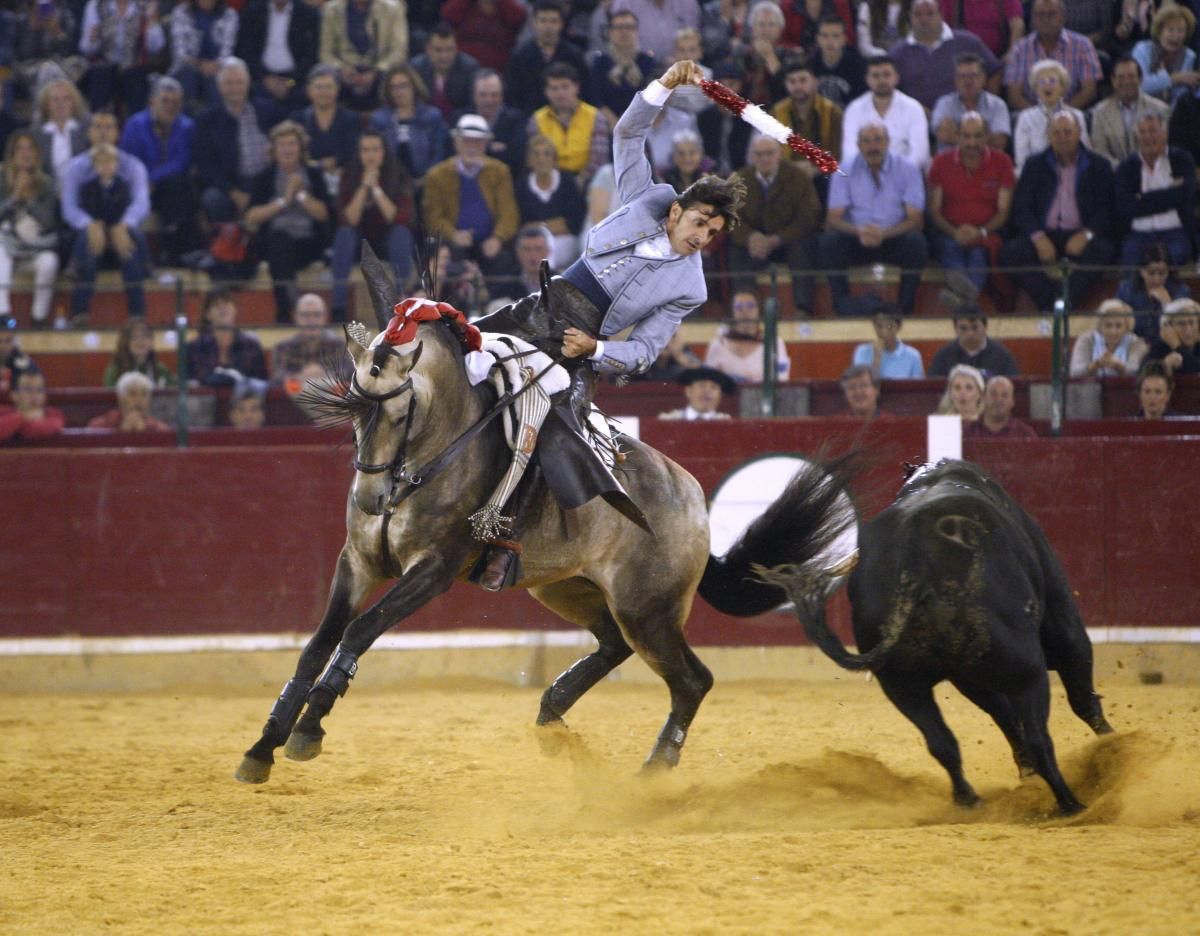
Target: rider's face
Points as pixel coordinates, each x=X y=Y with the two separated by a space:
x=692 y=229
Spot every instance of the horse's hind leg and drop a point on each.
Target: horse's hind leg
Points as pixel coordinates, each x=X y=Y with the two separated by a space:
x=347 y=590
x=581 y=603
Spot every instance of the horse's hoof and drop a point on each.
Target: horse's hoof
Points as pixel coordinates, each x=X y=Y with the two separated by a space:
x=302 y=747
x=252 y=771
x=552 y=737
x=969 y=800
x=1071 y=808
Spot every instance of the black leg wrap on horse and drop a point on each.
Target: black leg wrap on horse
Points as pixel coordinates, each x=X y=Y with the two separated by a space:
x=340 y=671
x=287 y=707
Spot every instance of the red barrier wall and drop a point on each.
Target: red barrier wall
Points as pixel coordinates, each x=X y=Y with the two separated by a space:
x=243 y=539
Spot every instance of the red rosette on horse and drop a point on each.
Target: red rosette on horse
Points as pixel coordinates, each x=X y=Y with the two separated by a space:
x=407 y=315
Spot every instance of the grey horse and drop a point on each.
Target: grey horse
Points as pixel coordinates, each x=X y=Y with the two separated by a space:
x=632 y=589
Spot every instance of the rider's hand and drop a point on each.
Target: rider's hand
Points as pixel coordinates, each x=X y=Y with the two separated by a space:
x=684 y=71
x=578 y=344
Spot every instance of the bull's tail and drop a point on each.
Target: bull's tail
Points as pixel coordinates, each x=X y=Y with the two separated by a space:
x=803 y=522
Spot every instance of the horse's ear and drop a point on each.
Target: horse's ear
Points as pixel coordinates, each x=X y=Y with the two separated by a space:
x=380 y=286
x=354 y=343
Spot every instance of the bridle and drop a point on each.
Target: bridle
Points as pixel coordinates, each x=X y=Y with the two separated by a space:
x=396 y=465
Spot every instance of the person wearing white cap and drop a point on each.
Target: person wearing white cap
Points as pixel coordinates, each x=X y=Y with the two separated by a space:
x=469 y=200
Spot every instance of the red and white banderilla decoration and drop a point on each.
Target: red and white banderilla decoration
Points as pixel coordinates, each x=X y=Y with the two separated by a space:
x=763 y=122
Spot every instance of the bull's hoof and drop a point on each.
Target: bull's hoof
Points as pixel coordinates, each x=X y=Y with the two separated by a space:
x=553 y=736
x=302 y=747
x=251 y=770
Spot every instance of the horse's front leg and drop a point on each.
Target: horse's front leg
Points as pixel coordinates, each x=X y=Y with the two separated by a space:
x=429 y=577
x=351 y=583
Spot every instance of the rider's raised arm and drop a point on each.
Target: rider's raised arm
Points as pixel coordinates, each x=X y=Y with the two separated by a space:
x=632 y=168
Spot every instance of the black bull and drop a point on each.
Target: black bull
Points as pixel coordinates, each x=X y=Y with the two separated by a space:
x=955 y=581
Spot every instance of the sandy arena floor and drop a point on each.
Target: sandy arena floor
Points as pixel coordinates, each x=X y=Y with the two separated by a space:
x=797 y=809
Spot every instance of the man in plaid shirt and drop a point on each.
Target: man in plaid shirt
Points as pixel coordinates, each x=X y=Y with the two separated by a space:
x=1050 y=39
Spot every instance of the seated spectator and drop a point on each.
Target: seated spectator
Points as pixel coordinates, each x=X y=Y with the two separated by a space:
x=1154 y=388
x=672 y=361
x=486 y=29
x=1050 y=39
x=887 y=357
x=1062 y=209
x=688 y=162
x=802 y=20
x=550 y=197
x=1030 y=136
x=881 y=24
x=1150 y=288
x=779 y=219
x=703 y=389
x=224 y=172
x=533 y=245
x=581 y=134
x=876 y=213
x=248 y=405
x=506 y=123
x=469 y=200
x=135 y=392
x=807 y=112
x=903 y=117
x=970 y=197
x=312 y=343
x=290 y=212
x=29 y=417
x=860 y=386
x=1137 y=17
x=999 y=26
x=1110 y=349
x=722 y=29
x=374 y=206
x=60 y=125
x=1178 y=343
x=659 y=24
x=964 y=393
x=621 y=70
x=969 y=96
x=364 y=39
x=839 y=68
x=135 y=353
x=671 y=120
x=48 y=32
x=726 y=137
x=222 y=354
x=162 y=138
x=412 y=129
x=458 y=281
x=1168 y=65
x=1156 y=195
x=524 y=82
x=13 y=361
x=203 y=33
x=764 y=53
x=925 y=57
x=972 y=346
x=1115 y=119
x=28 y=225
x=102 y=206
x=996 y=420
x=447 y=71
x=332 y=129
x=121 y=38
x=689 y=47
x=279 y=41
x=739 y=347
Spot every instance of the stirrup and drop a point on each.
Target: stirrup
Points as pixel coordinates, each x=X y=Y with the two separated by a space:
x=499 y=565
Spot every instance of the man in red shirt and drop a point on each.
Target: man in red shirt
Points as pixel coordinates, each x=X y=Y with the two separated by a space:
x=29 y=417
x=996 y=421
x=970 y=196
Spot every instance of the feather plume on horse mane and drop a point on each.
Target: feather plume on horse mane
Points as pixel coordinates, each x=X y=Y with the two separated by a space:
x=331 y=401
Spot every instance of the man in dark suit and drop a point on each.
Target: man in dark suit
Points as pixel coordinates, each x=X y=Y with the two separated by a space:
x=524 y=81
x=1156 y=194
x=1062 y=209
x=278 y=40
x=447 y=73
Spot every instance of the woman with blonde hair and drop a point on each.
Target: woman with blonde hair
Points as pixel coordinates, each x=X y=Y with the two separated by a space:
x=1110 y=349
x=964 y=393
x=1168 y=65
x=1050 y=81
x=60 y=121
x=28 y=224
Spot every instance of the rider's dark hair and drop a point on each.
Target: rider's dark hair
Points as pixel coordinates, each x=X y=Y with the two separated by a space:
x=724 y=195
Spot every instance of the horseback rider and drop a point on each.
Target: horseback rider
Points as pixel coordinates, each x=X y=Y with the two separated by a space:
x=640 y=270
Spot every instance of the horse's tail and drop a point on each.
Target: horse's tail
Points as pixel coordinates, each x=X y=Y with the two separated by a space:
x=799 y=526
